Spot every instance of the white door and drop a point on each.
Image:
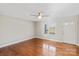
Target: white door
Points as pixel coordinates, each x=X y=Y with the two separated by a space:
x=69 y=31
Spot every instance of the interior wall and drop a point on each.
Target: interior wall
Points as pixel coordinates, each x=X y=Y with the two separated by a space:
x=70 y=32
x=50 y=23
x=78 y=31
x=14 y=29
x=65 y=29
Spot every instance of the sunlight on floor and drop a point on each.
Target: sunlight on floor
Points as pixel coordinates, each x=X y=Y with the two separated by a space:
x=50 y=49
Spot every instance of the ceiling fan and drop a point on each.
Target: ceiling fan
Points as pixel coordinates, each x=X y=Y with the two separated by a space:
x=39 y=14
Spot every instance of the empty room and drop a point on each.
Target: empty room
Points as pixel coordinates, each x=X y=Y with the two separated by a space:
x=39 y=29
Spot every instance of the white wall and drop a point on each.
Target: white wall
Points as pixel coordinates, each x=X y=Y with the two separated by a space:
x=67 y=34
x=69 y=30
x=78 y=31
x=13 y=29
x=49 y=22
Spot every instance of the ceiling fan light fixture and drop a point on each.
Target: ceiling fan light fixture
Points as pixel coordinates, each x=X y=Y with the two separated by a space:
x=39 y=17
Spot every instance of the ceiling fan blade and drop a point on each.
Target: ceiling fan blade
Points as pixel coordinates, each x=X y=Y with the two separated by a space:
x=34 y=15
x=45 y=16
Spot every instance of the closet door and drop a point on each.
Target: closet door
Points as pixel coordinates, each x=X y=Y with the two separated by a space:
x=69 y=31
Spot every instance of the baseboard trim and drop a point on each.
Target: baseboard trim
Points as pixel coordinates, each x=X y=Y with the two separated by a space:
x=57 y=41
x=15 y=42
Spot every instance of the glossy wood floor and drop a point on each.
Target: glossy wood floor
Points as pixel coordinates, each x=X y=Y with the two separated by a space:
x=39 y=47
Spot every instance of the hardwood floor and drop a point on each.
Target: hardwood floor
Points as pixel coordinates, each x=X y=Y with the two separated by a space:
x=39 y=47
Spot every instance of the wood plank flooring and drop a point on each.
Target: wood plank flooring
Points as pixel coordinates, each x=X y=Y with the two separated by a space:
x=39 y=47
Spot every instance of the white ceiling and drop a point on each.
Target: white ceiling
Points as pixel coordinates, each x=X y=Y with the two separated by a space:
x=25 y=10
